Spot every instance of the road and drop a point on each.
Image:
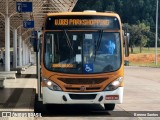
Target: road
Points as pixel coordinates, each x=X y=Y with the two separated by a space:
x=142 y=93
x=142 y=89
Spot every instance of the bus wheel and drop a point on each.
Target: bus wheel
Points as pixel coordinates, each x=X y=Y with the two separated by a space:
x=109 y=106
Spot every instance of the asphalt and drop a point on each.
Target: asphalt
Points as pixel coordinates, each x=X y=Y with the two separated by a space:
x=141 y=97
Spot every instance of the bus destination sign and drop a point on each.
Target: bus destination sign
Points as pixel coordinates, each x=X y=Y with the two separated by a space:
x=81 y=22
x=88 y=22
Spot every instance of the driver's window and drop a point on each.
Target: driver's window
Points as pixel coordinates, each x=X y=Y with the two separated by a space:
x=108 y=44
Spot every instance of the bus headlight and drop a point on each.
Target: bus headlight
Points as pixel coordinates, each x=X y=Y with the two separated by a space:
x=51 y=85
x=114 y=85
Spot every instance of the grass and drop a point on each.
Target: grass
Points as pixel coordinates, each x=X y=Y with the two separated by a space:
x=145 y=50
x=142 y=61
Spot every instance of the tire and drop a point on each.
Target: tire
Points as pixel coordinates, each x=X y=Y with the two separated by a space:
x=109 y=106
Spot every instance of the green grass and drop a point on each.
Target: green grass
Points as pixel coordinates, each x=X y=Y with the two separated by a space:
x=136 y=50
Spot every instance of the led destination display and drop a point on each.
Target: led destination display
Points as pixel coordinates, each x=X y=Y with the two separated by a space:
x=89 y=22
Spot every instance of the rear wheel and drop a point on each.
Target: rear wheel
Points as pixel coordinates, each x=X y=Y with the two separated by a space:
x=109 y=106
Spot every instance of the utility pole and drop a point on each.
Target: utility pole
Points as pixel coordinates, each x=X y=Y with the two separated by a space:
x=156 y=53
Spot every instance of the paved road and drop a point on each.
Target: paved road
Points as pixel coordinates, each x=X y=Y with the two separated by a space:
x=142 y=89
x=142 y=93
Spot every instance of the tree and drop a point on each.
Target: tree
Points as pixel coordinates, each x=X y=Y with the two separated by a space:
x=143 y=38
x=133 y=30
x=138 y=35
x=132 y=12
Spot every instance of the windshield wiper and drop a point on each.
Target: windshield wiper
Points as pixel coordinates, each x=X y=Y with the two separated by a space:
x=98 y=43
x=68 y=41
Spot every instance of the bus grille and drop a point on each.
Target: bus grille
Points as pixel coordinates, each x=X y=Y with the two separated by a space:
x=82 y=80
x=86 y=88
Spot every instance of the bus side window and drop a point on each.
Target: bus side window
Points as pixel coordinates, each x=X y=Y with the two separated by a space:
x=49 y=53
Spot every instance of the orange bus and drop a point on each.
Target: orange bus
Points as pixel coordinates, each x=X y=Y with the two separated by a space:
x=82 y=59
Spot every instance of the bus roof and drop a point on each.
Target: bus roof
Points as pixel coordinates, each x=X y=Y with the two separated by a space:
x=108 y=13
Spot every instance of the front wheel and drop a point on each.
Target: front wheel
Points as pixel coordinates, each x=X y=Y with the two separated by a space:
x=109 y=106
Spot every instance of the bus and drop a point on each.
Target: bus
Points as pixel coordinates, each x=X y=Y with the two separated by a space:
x=81 y=59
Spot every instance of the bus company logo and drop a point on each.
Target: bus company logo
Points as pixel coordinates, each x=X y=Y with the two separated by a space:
x=6 y=114
x=82 y=88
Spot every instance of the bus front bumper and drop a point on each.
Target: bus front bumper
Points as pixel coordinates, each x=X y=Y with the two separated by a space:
x=60 y=97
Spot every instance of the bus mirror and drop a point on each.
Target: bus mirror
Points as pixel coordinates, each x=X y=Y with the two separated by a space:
x=36 y=45
x=126 y=44
x=126 y=36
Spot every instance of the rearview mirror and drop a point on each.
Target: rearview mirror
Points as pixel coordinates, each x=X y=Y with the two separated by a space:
x=126 y=45
x=36 y=45
x=126 y=41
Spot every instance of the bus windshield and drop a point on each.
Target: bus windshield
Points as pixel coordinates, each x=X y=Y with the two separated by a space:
x=79 y=52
